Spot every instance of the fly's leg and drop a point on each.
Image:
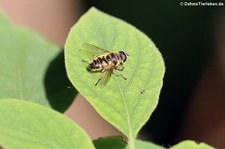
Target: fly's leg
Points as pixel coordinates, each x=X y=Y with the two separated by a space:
x=98 y=81
x=120 y=67
x=119 y=75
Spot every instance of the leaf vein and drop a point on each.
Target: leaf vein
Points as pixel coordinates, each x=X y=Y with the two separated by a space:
x=127 y=111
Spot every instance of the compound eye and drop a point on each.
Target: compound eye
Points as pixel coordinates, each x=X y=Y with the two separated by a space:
x=124 y=57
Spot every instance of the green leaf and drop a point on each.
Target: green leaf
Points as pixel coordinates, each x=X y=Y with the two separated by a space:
x=28 y=68
x=29 y=125
x=118 y=143
x=146 y=145
x=188 y=144
x=114 y=142
x=126 y=104
x=3 y=22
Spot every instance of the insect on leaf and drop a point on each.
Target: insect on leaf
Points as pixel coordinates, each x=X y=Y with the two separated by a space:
x=121 y=101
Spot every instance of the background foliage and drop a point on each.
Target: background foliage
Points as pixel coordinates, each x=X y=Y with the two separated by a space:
x=32 y=68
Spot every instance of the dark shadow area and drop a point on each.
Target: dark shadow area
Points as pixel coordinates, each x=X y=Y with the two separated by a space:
x=60 y=92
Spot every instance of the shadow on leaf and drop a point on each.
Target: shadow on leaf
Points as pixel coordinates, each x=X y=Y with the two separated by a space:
x=60 y=92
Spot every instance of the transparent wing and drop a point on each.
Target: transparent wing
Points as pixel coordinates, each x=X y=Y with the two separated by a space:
x=104 y=78
x=91 y=51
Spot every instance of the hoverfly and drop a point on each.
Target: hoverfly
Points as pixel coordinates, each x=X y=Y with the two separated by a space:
x=105 y=62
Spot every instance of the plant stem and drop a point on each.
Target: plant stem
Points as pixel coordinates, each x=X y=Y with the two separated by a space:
x=131 y=143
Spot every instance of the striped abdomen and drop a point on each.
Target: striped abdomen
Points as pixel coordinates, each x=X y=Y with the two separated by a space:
x=107 y=61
